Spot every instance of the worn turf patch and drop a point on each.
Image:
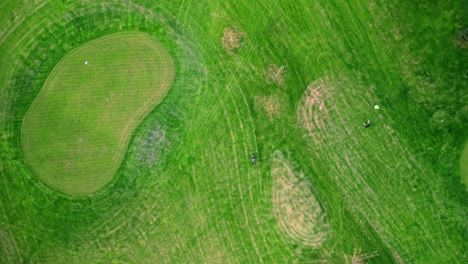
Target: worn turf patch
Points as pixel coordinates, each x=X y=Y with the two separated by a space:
x=271 y=106
x=232 y=39
x=312 y=111
x=296 y=208
x=275 y=74
x=76 y=131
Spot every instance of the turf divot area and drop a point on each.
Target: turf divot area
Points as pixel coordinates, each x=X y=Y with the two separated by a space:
x=76 y=131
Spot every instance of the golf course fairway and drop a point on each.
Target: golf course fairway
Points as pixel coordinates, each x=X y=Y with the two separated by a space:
x=269 y=147
x=76 y=131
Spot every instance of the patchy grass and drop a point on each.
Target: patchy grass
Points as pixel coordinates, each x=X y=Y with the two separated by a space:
x=297 y=210
x=275 y=74
x=313 y=110
x=186 y=191
x=232 y=39
x=270 y=105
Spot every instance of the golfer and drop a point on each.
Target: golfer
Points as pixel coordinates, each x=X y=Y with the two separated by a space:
x=367 y=124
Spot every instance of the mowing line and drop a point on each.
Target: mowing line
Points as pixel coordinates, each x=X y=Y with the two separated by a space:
x=244 y=144
x=233 y=143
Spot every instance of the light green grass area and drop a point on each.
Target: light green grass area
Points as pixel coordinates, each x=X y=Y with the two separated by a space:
x=76 y=131
x=464 y=165
x=325 y=188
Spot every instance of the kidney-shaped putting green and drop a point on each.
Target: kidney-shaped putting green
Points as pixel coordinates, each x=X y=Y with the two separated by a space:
x=75 y=133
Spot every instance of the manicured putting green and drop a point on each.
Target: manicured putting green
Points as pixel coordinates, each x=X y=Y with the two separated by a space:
x=76 y=131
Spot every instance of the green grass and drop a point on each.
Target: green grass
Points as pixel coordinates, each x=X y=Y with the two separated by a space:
x=186 y=191
x=464 y=165
x=76 y=131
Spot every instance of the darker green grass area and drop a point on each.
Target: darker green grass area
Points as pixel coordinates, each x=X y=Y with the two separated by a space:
x=186 y=191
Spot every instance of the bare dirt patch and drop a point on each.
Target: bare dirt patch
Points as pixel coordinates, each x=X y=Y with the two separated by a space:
x=232 y=39
x=297 y=210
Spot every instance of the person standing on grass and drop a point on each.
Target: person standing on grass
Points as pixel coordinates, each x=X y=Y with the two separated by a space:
x=367 y=124
x=252 y=157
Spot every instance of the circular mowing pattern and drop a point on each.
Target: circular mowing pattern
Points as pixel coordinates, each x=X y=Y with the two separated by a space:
x=296 y=208
x=76 y=131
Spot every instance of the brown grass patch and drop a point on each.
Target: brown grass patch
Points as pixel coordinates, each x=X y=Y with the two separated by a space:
x=232 y=39
x=275 y=74
x=297 y=210
x=272 y=106
x=312 y=112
